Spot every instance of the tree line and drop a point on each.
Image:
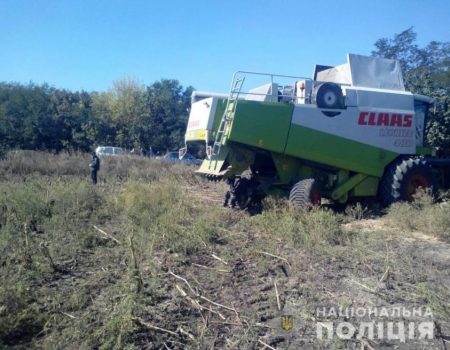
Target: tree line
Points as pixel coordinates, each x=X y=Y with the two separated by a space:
x=129 y=115
x=132 y=114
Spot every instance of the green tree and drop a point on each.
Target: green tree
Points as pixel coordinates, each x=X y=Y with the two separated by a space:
x=70 y=113
x=41 y=117
x=102 y=127
x=426 y=72
x=24 y=116
x=168 y=105
x=119 y=113
x=129 y=112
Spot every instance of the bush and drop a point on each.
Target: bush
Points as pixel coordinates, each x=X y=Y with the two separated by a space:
x=36 y=201
x=43 y=163
x=162 y=214
x=20 y=319
x=422 y=215
x=303 y=227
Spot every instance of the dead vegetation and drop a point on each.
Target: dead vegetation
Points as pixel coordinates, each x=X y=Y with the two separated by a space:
x=422 y=215
x=149 y=259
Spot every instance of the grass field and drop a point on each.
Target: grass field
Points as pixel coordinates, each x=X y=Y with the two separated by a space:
x=149 y=259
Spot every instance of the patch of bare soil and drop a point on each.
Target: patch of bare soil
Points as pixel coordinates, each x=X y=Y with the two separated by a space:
x=239 y=302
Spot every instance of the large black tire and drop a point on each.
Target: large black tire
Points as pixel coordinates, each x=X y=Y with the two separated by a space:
x=242 y=187
x=403 y=178
x=329 y=95
x=305 y=194
x=246 y=195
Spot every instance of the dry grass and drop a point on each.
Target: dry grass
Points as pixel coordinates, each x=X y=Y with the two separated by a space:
x=303 y=228
x=422 y=215
x=18 y=164
x=66 y=285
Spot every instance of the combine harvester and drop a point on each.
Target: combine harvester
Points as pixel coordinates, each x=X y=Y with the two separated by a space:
x=350 y=132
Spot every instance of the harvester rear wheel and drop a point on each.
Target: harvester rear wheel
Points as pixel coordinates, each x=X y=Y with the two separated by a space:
x=305 y=194
x=329 y=95
x=403 y=178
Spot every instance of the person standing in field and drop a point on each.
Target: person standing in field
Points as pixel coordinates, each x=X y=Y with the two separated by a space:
x=94 y=165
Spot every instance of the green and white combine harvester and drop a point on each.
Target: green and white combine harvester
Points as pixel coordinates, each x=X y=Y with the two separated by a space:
x=352 y=131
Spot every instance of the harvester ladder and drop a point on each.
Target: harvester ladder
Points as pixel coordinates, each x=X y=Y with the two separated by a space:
x=227 y=114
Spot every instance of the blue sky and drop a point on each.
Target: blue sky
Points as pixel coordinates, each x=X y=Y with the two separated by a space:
x=80 y=44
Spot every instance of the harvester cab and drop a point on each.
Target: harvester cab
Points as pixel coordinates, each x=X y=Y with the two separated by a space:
x=345 y=133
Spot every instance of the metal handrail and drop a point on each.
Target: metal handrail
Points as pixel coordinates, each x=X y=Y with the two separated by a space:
x=269 y=74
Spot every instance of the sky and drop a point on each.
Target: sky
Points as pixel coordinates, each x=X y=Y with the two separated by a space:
x=86 y=45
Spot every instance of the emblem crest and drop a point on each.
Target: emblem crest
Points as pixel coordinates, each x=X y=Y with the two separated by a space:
x=287 y=322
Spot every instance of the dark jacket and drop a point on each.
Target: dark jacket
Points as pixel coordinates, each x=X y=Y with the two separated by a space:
x=95 y=163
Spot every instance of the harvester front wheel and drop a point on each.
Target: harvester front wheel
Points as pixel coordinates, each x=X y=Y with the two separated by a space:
x=305 y=194
x=403 y=178
x=245 y=193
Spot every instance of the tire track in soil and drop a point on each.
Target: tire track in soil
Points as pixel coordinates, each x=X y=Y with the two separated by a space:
x=245 y=288
x=206 y=191
x=248 y=288
x=251 y=291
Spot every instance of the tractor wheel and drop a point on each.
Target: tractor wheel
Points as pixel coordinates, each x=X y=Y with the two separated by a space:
x=329 y=96
x=403 y=178
x=245 y=194
x=305 y=194
x=241 y=188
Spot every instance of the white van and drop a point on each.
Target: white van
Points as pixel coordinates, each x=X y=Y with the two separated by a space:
x=108 y=151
